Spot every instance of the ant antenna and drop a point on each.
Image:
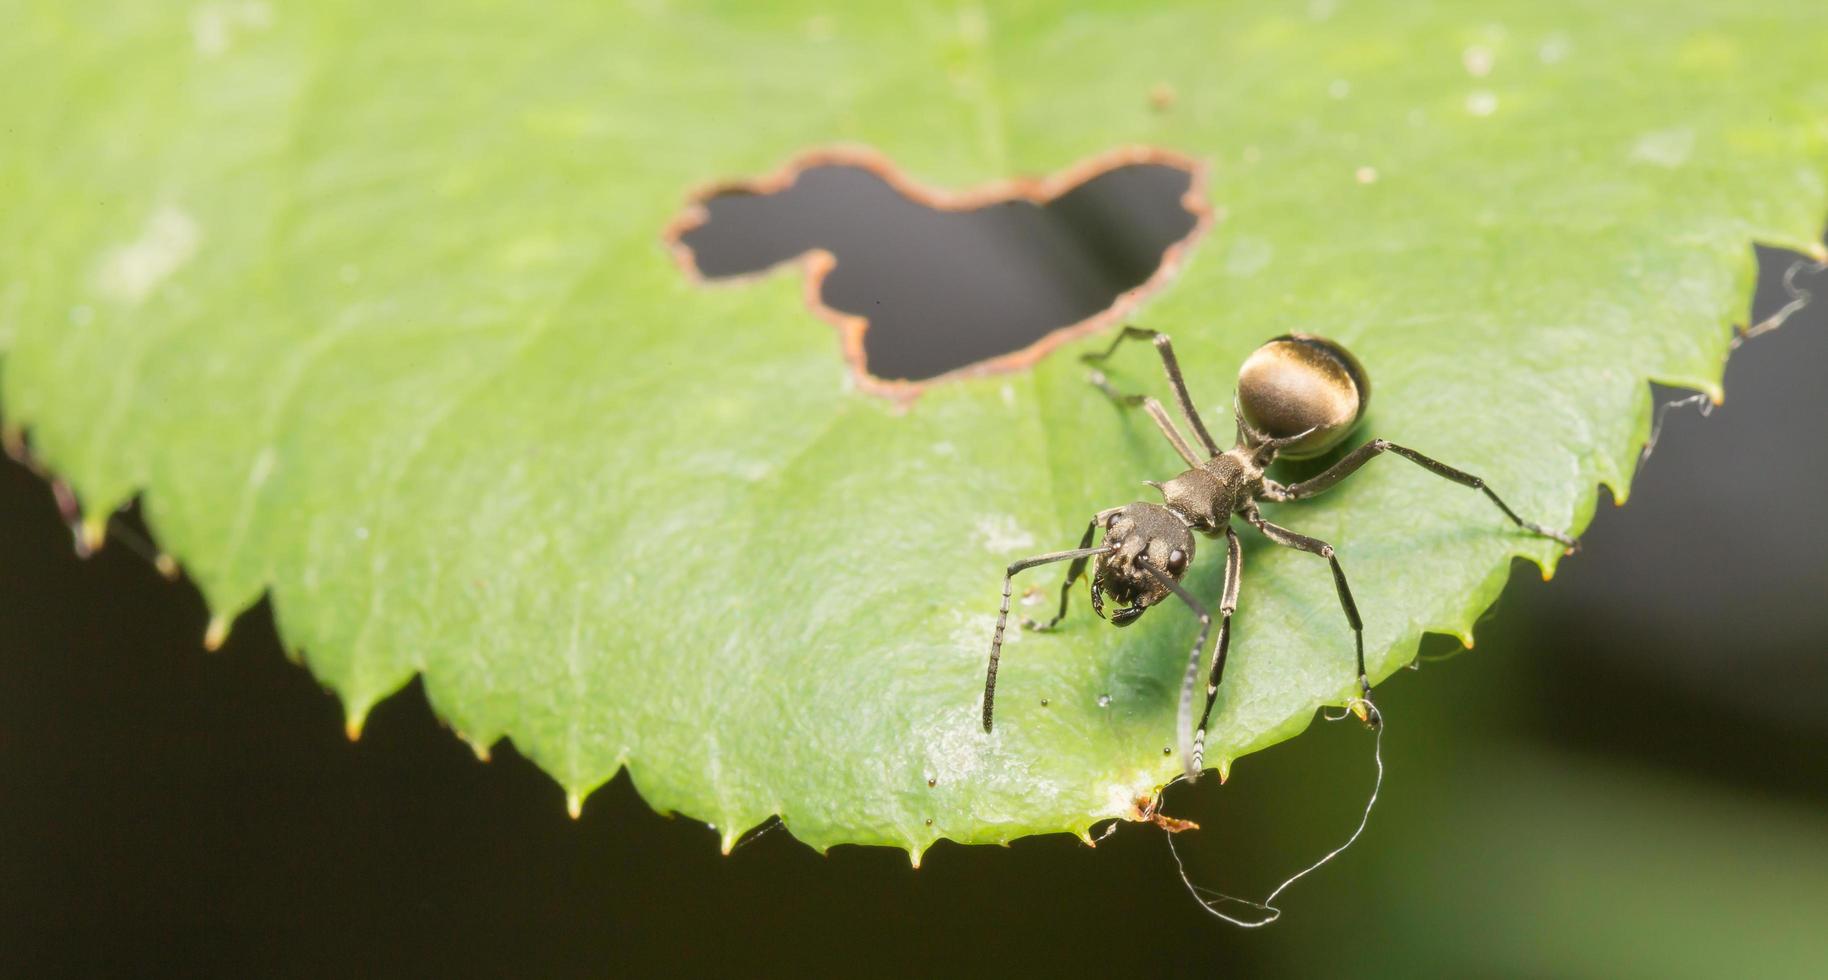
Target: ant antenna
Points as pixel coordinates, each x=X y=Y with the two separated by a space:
x=1212 y=900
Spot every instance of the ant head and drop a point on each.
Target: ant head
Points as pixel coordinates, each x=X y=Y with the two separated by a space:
x=1301 y=395
x=1137 y=534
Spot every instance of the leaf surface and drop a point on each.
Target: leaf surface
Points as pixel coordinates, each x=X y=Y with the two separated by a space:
x=371 y=304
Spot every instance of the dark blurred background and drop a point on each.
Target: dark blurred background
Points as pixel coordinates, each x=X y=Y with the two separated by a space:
x=1627 y=777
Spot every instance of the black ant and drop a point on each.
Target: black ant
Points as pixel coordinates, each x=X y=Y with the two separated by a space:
x=1298 y=397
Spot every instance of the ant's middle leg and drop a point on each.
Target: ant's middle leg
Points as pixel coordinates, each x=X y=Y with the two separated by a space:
x=1172 y=367
x=1366 y=711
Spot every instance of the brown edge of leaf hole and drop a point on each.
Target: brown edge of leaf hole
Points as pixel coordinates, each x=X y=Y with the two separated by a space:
x=819 y=262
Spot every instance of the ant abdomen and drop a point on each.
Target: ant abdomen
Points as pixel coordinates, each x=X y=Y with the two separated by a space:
x=1302 y=383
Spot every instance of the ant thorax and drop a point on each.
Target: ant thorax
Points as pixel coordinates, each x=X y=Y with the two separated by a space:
x=1208 y=494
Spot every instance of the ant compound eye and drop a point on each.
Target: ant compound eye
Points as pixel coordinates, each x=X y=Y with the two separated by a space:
x=1111 y=522
x=1302 y=383
x=1177 y=561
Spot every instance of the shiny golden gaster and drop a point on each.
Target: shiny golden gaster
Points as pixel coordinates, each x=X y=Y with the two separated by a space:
x=1300 y=383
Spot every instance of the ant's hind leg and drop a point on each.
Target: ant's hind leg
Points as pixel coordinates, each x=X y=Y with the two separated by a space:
x=1366 y=711
x=1376 y=447
x=996 y=641
x=1172 y=367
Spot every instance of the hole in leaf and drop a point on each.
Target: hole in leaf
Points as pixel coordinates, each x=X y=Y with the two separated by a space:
x=926 y=284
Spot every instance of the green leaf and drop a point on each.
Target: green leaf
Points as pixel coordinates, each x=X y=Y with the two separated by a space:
x=370 y=302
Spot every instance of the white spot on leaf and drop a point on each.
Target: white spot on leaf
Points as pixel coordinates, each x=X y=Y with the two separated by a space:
x=1340 y=88
x=957 y=749
x=1554 y=49
x=262 y=470
x=1477 y=60
x=1665 y=147
x=973 y=27
x=1002 y=535
x=132 y=271
x=1248 y=256
x=1482 y=102
x=971 y=633
x=215 y=26
x=1120 y=798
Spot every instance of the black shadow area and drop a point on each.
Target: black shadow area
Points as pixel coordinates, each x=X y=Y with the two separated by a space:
x=944 y=288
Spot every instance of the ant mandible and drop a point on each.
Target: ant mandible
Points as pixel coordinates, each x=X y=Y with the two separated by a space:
x=1298 y=396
